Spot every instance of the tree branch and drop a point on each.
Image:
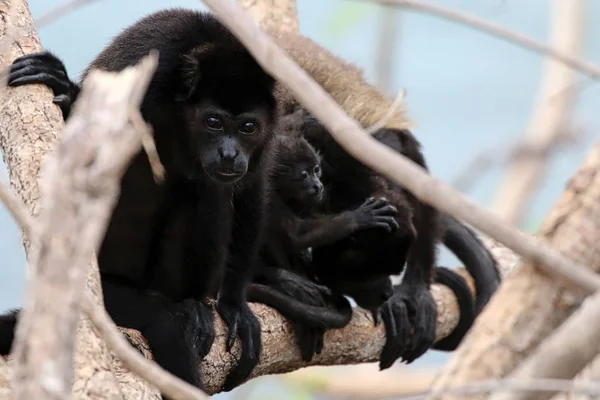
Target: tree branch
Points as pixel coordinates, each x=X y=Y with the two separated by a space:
x=529 y=304
x=80 y=186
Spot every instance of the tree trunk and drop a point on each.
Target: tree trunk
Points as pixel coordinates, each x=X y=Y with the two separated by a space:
x=529 y=304
x=29 y=127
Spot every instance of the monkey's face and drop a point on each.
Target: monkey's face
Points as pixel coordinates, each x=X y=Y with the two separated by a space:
x=223 y=143
x=301 y=183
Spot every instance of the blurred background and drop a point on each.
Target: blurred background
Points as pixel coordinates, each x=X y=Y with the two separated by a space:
x=472 y=96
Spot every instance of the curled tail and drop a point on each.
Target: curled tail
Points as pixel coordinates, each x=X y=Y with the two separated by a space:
x=335 y=315
x=466 y=305
x=477 y=259
x=480 y=263
x=8 y=323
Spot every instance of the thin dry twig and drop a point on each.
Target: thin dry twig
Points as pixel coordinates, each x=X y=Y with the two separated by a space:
x=390 y=112
x=158 y=170
x=501 y=154
x=60 y=11
x=499 y=31
x=400 y=169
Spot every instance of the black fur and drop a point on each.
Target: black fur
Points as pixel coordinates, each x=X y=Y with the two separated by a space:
x=285 y=282
x=8 y=322
x=368 y=258
x=466 y=306
x=175 y=239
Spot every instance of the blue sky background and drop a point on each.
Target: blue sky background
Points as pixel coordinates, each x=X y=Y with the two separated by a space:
x=467 y=91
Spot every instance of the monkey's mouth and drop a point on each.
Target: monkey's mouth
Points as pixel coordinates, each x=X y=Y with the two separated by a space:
x=224 y=176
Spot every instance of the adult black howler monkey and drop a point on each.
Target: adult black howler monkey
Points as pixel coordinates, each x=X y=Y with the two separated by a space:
x=212 y=109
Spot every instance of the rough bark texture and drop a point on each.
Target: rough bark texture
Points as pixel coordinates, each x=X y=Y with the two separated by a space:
x=79 y=188
x=529 y=304
x=29 y=122
x=29 y=127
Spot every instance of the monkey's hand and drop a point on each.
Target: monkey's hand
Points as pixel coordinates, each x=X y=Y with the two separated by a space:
x=411 y=306
x=376 y=213
x=241 y=322
x=46 y=69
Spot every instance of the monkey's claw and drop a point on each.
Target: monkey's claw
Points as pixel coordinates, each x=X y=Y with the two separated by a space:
x=309 y=340
x=410 y=307
x=241 y=322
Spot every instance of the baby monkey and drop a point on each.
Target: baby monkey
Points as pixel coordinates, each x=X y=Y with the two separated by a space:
x=285 y=280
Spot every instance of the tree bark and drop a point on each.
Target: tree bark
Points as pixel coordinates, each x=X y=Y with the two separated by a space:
x=529 y=304
x=29 y=127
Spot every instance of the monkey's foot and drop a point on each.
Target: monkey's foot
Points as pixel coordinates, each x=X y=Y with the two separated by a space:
x=411 y=306
x=241 y=322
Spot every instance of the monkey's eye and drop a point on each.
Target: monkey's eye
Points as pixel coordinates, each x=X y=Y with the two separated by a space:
x=248 y=128
x=304 y=175
x=317 y=170
x=214 y=123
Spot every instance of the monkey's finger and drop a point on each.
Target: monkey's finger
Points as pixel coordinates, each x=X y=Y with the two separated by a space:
x=305 y=342
x=394 y=224
x=397 y=334
x=424 y=324
x=383 y=225
x=387 y=210
x=64 y=102
x=251 y=346
x=380 y=202
x=423 y=339
x=57 y=85
x=43 y=57
x=320 y=340
x=376 y=313
x=368 y=202
x=390 y=221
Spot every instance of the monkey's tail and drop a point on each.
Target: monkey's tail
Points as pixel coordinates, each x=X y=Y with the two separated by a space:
x=337 y=315
x=465 y=244
x=461 y=289
x=8 y=323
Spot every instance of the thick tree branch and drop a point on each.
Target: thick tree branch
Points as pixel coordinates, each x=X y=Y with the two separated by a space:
x=529 y=304
x=80 y=186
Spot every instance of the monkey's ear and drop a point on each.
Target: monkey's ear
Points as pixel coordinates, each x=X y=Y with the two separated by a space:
x=191 y=72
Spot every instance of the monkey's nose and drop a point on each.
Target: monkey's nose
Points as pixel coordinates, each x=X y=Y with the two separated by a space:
x=228 y=154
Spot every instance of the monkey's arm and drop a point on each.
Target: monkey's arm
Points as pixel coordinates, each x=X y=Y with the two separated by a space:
x=46 y=69
x=327 y=229
x=249 y=218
